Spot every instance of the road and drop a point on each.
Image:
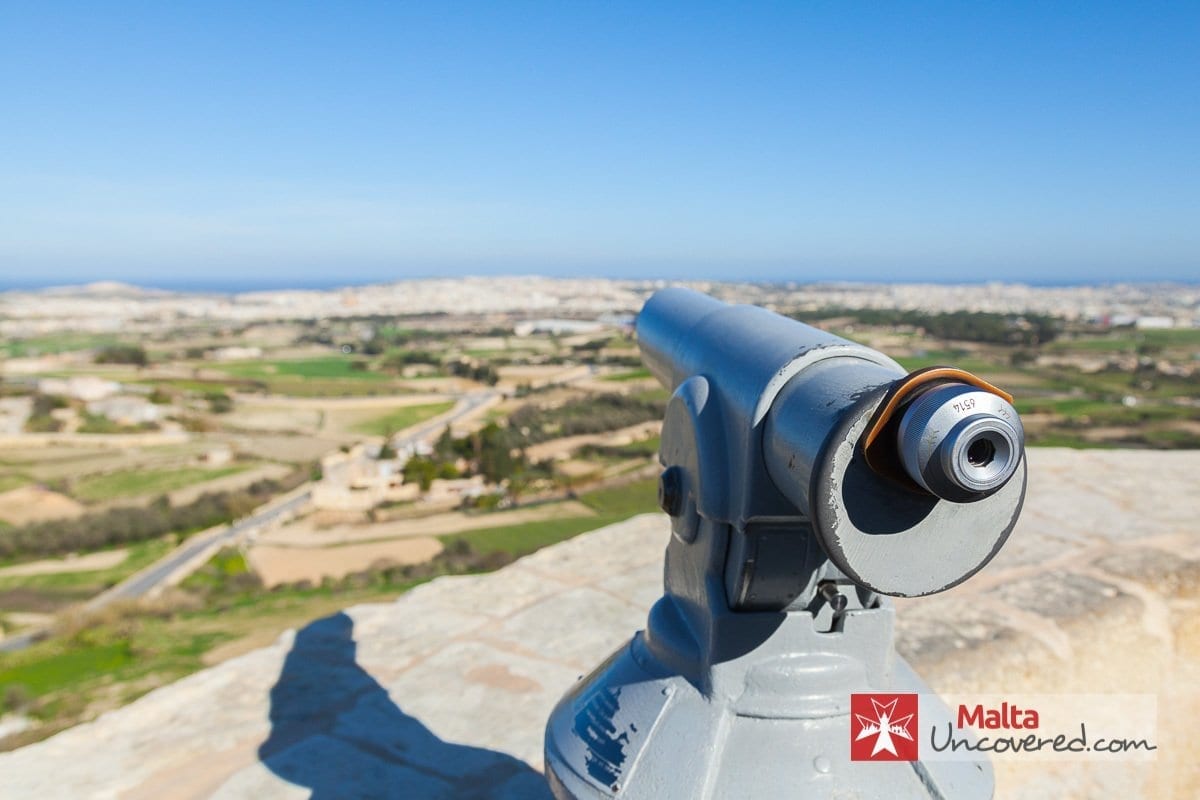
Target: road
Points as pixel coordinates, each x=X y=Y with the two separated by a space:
x=157 y=574
x=467 y=404
x=151 y=578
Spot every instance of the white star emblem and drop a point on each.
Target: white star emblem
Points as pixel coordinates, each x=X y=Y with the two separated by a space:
x=883 y=727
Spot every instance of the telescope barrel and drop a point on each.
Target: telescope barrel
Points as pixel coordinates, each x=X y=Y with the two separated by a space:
x=683 y=333
x=954 y=440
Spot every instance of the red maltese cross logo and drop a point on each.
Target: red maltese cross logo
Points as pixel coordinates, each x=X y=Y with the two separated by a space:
x=883 y=727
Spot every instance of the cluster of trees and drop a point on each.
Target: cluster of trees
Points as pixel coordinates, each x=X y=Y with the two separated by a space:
x=129 y=524
x=643 y=449
x=1028 y=330
x=484 y=373
x=490 y=452
x=458 y=558
x=403 y=358
x=462 y=368
x=423 y=470
x=596 y=414
x=121 y=354
x=493 y=452
x=40 y=419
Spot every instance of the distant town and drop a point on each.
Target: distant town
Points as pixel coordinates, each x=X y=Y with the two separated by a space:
x=108 y=306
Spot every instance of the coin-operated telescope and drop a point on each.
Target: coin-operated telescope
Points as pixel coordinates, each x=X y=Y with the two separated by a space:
x=806 y=478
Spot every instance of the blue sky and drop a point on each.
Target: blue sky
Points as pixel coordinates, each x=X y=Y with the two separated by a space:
x=340 y=142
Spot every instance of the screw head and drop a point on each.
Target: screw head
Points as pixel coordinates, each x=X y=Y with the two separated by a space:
x=670 y=491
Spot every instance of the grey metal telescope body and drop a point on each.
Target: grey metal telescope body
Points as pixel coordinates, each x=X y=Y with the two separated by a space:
x=783 y=542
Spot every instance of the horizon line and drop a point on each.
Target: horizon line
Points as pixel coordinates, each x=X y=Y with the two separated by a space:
x=232 y=286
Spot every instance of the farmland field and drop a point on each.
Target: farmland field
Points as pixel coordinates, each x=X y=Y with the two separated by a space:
x=327 y=367
x=127 y=483
x=401 y=418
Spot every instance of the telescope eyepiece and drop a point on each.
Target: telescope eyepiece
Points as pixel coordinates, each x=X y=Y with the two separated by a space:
x=960 y=442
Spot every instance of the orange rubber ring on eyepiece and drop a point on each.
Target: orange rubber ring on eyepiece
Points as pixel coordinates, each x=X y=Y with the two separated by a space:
x=896 y=396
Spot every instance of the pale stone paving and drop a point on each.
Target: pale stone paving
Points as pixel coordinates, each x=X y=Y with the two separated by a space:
x=444 y=692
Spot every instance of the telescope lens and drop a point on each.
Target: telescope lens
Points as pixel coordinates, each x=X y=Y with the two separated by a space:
x=981 y=452
x=959 y=442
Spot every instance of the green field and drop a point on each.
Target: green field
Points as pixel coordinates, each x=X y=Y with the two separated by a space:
x=53 y=591
x=68 y=666
x=401 y=418
x=325 y=376
x=184 y=385
x=949 y=358
x=325 y=367
x=10 y=481
x=127 y=483
x=56 y=343
x=631 y=375
x=125 y=652
x=611 y=505
x=1129 y=341
x=140 y=555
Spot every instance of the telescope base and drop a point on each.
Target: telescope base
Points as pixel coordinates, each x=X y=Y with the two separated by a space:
x=637 y=729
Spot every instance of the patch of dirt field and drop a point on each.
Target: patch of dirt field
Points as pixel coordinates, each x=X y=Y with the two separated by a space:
x=540 y=375
x=338 y=415
x=561 y=448
x=534 y=372
x=599 y=386
x=575 y=468
x=292 y=449
x=55 y=462
x=304 y=533
x=434 y=385
x=274 y=418
x=277 y=565
x=35 y=504
x=52 y=566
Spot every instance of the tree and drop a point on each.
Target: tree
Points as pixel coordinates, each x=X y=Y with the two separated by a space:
x=494 y=453
x=122 y=354
x=1022 y=358
x=420 y=470
x=219 y=402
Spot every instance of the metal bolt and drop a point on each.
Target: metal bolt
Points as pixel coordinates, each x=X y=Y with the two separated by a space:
x=670 y=491
x=829 y=592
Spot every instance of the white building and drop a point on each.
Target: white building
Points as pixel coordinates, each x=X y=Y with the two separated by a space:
x=556 y=327
x=126 y=410
x=82 y=387
x=235 y=353
x=1154 y=323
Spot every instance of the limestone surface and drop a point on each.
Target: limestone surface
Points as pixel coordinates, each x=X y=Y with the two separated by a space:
x=445 y=692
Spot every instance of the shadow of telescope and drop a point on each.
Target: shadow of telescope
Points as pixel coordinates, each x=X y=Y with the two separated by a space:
x=336 y=731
